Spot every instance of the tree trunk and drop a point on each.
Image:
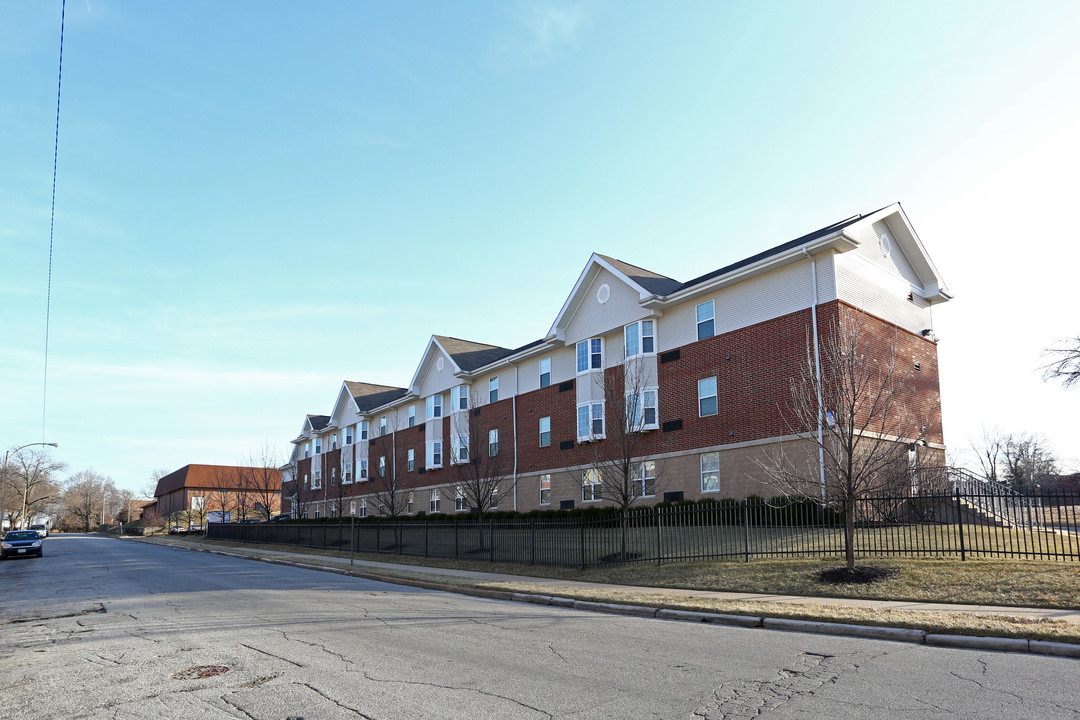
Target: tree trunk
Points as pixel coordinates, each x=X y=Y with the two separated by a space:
x=849 y=533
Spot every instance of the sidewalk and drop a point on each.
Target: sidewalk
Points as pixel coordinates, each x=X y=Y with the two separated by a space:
x=435 y=574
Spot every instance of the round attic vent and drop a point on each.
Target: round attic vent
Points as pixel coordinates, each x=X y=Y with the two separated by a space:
x=886 y=246
x=603 y=294
x=439 y=364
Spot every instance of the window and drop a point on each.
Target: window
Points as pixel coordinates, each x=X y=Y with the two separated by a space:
x=706 y=396
x=198 y=503
x=643 y=477
x=318 y=445
x=493 y=442
x=412 y=460
x=307 y=450
x=641 y=410
x=459 y=499
x=591 y=486
x=316 y=481
x=710 y=472
x=494 y=498
x=333 y=477
x=333 y=441
x=590 y=355
x=545 y=489
x=433 y=503
x=493 y=389
x=347 y=474
x=409 y=499
x=459 y=398
x=640 y=338
x=363 y=507
x=545 y=432
x=364 y=430
x=706 y=327
x=412 y=415
x=363 y=469
x=305 y=480
x=434 y=407
x=382 y=425
x=316 y=513
x=349 y=435
x=545 y=372
x=434 y=454
x=382 y=466
x=459 y=449
x=590 y=421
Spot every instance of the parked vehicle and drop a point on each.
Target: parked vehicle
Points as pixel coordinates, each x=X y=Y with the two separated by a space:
x=195 y=528
x=21 y=542
x=248 y=521
x=177 y=529
x=280 y=517
x=42 y=531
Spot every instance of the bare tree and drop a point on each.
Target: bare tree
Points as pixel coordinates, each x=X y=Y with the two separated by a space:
x=1065 y=363
x=988 y=450
x=222 y=494
x=861 y=403
x=262 y=483
x=387 y=463
x=1028 y=461
x=85 y=495
x=31 y=484
x=150 y=489
x=478 y=461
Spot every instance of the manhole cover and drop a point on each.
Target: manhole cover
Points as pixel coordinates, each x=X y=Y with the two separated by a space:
x=199 y=672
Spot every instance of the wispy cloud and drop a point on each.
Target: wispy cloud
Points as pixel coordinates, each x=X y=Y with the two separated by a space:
x=541 y=33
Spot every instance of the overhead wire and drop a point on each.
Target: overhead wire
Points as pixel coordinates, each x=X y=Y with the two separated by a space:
x=52 y=223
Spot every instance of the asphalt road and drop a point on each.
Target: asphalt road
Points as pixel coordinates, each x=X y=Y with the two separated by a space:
x=102 y=628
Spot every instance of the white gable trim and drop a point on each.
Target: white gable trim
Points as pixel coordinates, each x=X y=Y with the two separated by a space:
x=934 y=288
x=573 y=302
x=433 y=351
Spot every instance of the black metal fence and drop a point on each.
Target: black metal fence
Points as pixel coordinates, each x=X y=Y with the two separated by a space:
x=956 y=525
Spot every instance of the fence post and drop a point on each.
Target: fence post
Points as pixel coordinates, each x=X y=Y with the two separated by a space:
x=378 y=537
x=582 y=524
x=352 y=537
x=659 y=541
x=532 y=540
x=456 y=546
x=400 y=537
x=425 y=537
x=746 y=528
x=960 y=521
x=491 y=539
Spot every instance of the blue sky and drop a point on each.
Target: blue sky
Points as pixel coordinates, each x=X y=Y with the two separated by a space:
x=258 y=200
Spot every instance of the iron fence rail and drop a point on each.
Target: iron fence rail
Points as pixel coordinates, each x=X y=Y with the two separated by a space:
x=970 y=525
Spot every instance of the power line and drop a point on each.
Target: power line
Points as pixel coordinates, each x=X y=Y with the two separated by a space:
x=52 y=222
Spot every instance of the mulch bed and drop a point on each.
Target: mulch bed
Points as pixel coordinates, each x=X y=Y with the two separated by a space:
x=862 y=575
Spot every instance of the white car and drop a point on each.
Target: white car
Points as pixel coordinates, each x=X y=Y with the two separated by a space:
x=42 y=530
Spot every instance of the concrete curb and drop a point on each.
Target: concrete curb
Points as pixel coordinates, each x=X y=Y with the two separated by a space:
x=873 y=632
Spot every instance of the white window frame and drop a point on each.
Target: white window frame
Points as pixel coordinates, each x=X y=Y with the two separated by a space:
x=459 y=499
x=459 y=449
x=433 y=501
x=333 y=441
x=316 y=513
x=410 y=500
x=703 y=394
x=347 y=474
x=594 y=412
x=588 y=354
x=493 y=442
x=493 y=498
x=459 y=398
x=363 y=429
x=333 y=477
x=363 y=470
x=434 y=406
x=363 y=507
x=412 y=459
x=545 y=372
x=642 y=333
x=710 y=472
x=643 y=478
x=637 y=410
x=318 y=446
x=350 y=434
x=545 y=432
x=705 y=313
x=412 y=415
x=493 y=389
x=433 y=454
x=592 y=485
x=382 y=425
x=545 y=489
x=307 y=450
x=382 y=466
x=316 y=480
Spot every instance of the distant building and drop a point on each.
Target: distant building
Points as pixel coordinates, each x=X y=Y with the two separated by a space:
x=187 y=495
x=715 y=356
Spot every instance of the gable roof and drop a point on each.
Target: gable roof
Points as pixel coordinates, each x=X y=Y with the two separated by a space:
x=469 y=355
x=318 y=422
x=215 y=477
x=655 y=283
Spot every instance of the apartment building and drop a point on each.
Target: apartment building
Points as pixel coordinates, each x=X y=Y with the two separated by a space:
x=689 y=380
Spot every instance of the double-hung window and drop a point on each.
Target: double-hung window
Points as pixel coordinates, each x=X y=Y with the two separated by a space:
x=459 y=449
x=333 y=477
x=382 y=466
x=433 y=503
x=316 y=481
x=412 y=415
x=459 y=398
x=333 y=441
x=493 y=389
x=349 y=434
x=363 y=469
x=590 y=355
x=706 y=396
x=307 y=450
x=710 y=472
x=643 y=478
x=591 y=485
x=382 y=425
x=434 y=454
x=590 y=421
x=545 y=372
x=640 y=338
x=363 y=430
x=347 y=474
x=409 y=500
x=545 y=432
x=459 y=499
x=318 y=445
x=493 y=442
x=545 y=489
x=434 y=407
x=363 y=507
x=641 y=410
x=706 y=320
x=412 y=459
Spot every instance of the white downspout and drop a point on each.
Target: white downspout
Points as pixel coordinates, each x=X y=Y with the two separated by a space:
x=513 y=405
x=817 y=371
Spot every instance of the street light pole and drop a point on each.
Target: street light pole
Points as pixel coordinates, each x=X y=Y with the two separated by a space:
x=4 y=482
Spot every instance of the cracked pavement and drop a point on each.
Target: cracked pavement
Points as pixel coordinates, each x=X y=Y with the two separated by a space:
x=98 y=628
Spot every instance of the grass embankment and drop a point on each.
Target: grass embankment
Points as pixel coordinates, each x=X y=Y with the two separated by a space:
x=1021 y=583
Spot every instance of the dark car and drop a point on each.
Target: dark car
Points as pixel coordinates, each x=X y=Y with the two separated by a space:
x=21 y=542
